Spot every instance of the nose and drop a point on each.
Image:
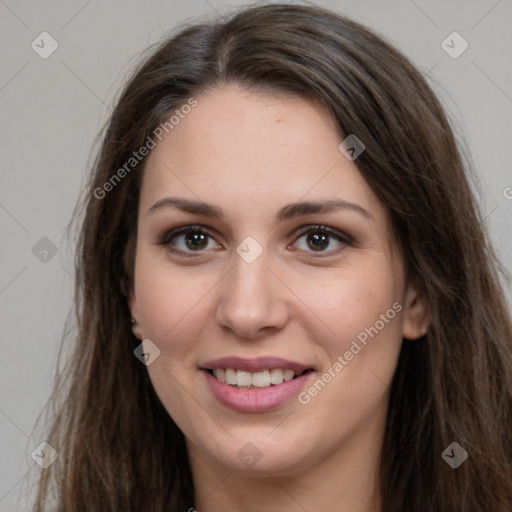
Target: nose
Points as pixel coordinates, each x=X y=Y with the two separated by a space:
x=252 y=300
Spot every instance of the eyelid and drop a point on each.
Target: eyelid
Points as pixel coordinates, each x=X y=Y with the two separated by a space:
x=335 y=233
x=197 y=228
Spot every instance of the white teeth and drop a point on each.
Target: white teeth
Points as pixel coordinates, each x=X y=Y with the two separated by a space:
x=288 y=374
x=231 y=376
x=243 y=378
x=261 y=379
x=276 y=376
x=220 y=373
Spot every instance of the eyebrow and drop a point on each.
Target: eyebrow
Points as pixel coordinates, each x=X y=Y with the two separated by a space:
x=287 y=212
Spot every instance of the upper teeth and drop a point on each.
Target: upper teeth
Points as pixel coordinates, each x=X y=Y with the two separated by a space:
x=261 y=379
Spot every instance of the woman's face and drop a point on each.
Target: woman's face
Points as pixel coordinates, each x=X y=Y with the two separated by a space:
x=261 y=283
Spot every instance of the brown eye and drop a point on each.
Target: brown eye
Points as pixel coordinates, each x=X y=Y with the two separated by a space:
x=322 y=240
x=196 y=240
x=188 y=239
x=318 y=241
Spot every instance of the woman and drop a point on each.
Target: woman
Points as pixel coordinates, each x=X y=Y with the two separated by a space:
x=284 y=295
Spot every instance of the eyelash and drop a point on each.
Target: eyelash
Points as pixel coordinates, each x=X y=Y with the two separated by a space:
x=192 y=229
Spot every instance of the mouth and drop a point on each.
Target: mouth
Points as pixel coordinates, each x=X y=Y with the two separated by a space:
x=255 y=385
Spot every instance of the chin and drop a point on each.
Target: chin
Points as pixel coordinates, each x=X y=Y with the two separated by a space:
x=258 y=454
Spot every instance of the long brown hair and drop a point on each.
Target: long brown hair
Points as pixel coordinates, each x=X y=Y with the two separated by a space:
x=118 y=447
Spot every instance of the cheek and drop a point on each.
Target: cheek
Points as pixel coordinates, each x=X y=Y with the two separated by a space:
x=364 y=311
x=171 y=303
x=348 y=303
x=361 y=341
x=171 y=306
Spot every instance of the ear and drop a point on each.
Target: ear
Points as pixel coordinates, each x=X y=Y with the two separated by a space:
x=416 y=316
x=134 y=310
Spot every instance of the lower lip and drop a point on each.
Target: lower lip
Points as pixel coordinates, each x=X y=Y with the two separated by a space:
x=255 y=400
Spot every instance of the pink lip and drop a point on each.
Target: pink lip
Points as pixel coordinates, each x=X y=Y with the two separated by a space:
x=255 y=400
x=255 y=365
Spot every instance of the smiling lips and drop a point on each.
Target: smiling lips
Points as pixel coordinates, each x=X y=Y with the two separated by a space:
x=255 y=385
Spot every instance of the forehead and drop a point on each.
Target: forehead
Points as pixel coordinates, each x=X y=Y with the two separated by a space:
x=252 y=152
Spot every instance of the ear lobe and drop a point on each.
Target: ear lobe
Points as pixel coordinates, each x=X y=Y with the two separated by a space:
x=416 y=315
x=132 y=302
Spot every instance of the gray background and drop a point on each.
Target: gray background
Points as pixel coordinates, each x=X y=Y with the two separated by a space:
x=52 y=109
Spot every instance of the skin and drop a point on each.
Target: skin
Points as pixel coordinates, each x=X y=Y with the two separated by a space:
x=251 y=154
